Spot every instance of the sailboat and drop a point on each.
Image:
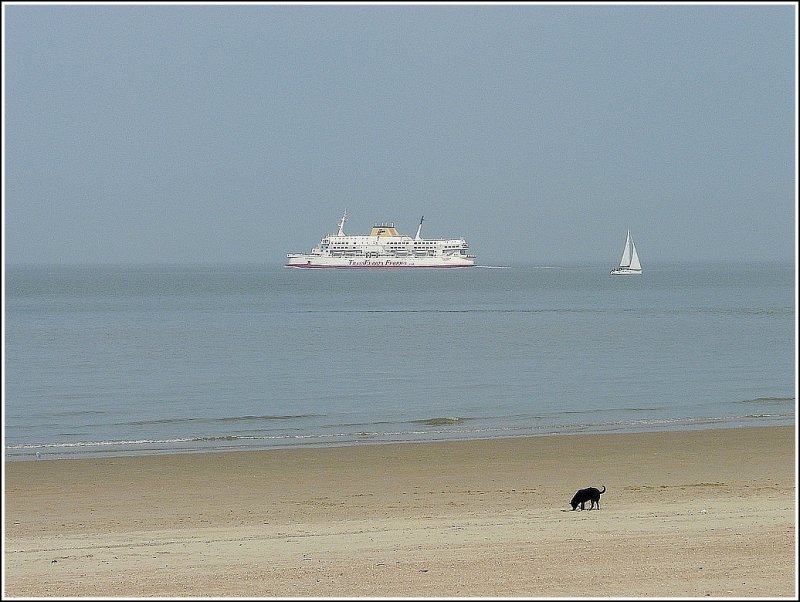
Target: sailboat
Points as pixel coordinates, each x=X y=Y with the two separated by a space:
x=629 y=264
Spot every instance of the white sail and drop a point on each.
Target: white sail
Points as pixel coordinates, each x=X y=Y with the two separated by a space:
x=635 y=265
x=629 y=264
x=626 y=252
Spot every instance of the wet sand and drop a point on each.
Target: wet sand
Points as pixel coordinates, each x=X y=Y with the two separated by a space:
x=695 y=513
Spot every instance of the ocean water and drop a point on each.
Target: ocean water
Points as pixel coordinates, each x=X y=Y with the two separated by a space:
x=125 y=360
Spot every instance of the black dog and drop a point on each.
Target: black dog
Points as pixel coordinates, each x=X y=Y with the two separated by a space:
x=590 y=494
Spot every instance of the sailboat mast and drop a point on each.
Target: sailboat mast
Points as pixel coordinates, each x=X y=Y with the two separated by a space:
x=626 y=252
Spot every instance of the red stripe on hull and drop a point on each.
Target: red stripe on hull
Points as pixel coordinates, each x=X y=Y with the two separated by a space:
x=376 y=267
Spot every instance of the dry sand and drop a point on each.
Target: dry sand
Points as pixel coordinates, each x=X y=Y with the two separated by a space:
x=698 y=513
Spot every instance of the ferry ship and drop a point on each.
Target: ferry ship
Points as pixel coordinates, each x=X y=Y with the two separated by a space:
x=383 y=247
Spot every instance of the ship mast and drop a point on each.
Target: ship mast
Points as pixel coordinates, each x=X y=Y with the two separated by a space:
x=419 y=228
x=341 y=223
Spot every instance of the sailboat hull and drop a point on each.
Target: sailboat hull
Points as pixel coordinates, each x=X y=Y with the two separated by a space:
x=624 y=272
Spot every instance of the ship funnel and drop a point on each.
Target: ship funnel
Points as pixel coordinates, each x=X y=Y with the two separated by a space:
x=419 y=228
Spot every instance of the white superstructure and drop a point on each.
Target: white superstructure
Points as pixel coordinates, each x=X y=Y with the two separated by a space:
x=383 y=247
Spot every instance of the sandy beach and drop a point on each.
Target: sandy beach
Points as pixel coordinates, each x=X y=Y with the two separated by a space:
x=696 y=513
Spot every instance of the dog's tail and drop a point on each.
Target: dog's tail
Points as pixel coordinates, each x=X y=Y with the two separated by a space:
x=604 y=489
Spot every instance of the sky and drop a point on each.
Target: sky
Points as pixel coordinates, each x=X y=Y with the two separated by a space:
x=225 y=133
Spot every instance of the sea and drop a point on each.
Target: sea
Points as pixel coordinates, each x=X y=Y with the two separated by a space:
x=126 y=360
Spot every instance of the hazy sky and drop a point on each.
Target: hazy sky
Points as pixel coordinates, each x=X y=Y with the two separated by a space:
x=238 y=133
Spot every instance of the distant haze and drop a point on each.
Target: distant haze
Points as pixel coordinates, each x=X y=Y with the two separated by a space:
x=238 y=133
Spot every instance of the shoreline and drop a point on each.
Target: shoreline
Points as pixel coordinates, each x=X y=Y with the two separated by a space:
x=698 y=425
x=707 y=512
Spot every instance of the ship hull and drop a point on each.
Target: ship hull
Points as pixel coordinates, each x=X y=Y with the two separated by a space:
x=316 y=262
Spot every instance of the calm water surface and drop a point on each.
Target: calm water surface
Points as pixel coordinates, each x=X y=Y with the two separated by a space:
x=132 y=360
